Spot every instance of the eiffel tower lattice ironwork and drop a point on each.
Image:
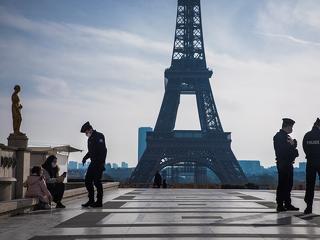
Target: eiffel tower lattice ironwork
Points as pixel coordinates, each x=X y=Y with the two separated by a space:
x=188 y=74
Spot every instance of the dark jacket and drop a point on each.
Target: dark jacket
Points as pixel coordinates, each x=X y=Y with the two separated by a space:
x=97 y=151
x=311 y=146
x=285 y=152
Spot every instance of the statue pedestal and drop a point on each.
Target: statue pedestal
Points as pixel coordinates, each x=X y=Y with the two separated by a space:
x=19 y=141
x=22 y=171
x=6 y=188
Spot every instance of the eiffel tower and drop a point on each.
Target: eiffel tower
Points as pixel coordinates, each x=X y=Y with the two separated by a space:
x=188 y=74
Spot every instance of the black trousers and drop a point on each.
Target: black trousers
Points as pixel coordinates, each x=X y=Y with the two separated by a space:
x=56 y=190
x=285 y=184
x=311 y=174
x=93 y=177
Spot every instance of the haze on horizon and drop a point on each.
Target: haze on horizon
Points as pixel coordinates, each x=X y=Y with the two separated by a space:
x=104 y=61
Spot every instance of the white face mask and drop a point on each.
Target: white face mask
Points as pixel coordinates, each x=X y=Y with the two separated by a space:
x=53 y=164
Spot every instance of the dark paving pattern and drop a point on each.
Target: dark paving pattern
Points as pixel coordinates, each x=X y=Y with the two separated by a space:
x=248 y=197
x=272 y=205
x=201 y=217
x=112 y=205
x=125 y=198
x=192 y=214
x=86 y=219
x=142 y=215
x=196 y=236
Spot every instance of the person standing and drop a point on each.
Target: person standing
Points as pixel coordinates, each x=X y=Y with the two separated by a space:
x=311 y=147
x=97 y=152
x=286 y=152
x=164 y=183
x=157 y=180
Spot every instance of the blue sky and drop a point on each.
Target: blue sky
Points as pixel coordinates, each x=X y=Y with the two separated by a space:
x=104 y=61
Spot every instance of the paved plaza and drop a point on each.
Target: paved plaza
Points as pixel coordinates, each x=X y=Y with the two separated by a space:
x=169 y=214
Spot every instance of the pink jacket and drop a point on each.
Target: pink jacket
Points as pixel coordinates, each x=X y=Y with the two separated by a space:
x=37 y=188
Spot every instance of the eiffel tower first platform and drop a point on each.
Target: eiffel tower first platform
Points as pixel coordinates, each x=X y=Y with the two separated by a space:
x=188 y=74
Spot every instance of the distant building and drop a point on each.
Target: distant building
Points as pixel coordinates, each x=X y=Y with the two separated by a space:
x=85 y=166
x=124 y=165
x=120 y=174
x=115 y=166
x=107 y=166
x=72 y=165
x=142 y=140
x=185 y=173
x=251 y=167
x=302 y=167
x=272 y=170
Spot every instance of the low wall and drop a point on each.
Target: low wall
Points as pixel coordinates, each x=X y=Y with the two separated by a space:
x=18 y=206
x=82 y=190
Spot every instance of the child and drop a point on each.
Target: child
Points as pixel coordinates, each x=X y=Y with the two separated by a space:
x=37 y=188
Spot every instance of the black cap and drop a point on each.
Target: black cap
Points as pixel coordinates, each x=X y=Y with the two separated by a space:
x=288 y=122
x=85 y=127
x=317 y=122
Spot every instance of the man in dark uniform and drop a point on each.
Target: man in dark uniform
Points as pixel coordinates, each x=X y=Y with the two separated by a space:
x=311 y=147
x=286 y=151
x=97 y=153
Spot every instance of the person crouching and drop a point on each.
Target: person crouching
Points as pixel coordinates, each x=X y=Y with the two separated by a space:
x=37 y=188
x=54 y=181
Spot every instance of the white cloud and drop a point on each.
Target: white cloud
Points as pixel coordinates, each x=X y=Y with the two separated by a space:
x=297 y=21
x=82 y=35
x=52 y=86
x=308 y=12
x=76 y=78
x=291 y=38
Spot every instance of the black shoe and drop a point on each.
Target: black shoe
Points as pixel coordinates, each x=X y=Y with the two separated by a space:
x=97 y=204
x=87 y=204
x=291 y=208
x=60 y=205
x=281 y=208
x=308 y=210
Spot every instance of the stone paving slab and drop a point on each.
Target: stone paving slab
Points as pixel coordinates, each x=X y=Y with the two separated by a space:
x=170 y=214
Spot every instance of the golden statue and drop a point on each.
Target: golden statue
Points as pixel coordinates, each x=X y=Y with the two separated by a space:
x=16 y=111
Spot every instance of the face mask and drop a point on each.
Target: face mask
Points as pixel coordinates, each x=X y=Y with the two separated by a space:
x=53 y=165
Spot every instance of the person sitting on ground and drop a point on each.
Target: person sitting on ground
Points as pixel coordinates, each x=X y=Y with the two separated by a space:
x=37 y=188
x=54 y=181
